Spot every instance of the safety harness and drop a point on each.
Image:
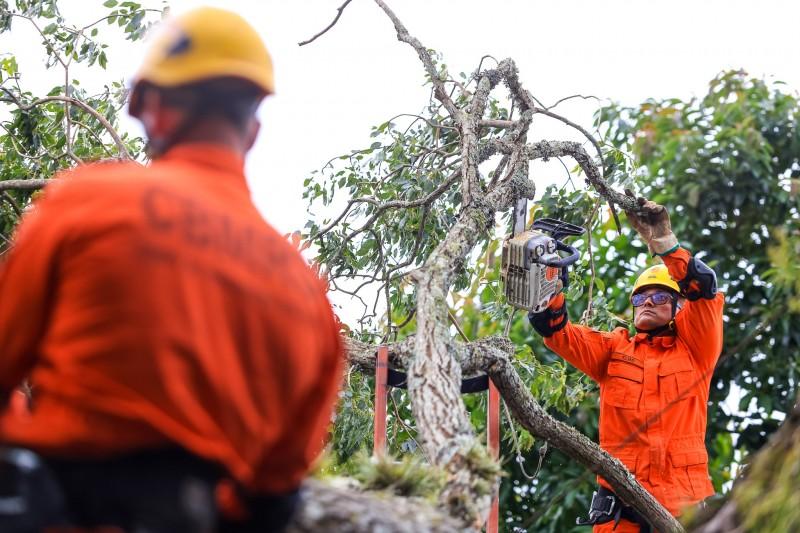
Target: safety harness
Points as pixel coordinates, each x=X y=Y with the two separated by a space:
x=606 y=506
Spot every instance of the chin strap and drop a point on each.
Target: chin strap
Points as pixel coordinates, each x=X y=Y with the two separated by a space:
x=655 y=332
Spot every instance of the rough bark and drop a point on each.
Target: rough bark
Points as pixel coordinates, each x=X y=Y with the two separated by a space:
x=325 y=507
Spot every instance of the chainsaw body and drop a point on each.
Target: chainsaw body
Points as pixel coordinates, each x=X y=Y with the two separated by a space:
x=533 y=270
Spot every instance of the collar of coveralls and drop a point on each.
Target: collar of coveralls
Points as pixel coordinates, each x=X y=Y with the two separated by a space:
x=206 y=154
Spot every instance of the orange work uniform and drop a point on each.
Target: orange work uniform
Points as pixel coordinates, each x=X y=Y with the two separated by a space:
x=653 y=396
x=153 y=306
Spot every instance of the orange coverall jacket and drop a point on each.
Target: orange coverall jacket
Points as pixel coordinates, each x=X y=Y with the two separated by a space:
x=654 y=395
x=153 y=306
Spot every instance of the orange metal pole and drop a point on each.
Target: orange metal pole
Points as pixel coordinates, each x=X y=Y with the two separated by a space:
x=379 y=435
x=493 y=438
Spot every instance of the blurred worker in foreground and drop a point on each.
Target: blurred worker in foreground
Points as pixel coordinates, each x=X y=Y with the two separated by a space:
x=183 y=359
x=654 y=386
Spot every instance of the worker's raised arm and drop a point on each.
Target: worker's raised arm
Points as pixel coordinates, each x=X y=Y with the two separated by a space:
x=699 y=324
x=26 y=290
x=586 y=349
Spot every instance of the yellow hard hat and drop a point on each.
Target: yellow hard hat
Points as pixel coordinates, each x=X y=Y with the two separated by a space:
x=656 y=275
x=204 y=44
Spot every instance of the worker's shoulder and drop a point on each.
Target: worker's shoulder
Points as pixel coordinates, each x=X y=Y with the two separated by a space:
x=95 y=178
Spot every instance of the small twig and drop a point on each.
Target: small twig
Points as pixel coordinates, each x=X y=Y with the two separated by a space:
x=509 y=322
x=587 y=315
x=454 y=321
x=339 y=11
x=427 y=61
x=408 y=429
x=95 y=135
x=562 y=100
x=7 y=197
x=67 y=119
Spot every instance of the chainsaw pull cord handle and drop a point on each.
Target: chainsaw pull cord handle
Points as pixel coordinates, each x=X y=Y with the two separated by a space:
x=564 y=261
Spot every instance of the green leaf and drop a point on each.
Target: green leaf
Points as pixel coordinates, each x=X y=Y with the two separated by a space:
x=110 y=3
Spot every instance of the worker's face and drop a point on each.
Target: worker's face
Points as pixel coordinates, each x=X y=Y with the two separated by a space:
x=651 y=315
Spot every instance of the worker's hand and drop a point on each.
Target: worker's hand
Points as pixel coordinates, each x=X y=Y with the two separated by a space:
x=651 y=222
x=552 y=319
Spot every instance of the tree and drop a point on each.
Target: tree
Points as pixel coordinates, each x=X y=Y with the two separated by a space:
x=726 y=165
x=418 y=207
x=66 y=126
x=420 y=230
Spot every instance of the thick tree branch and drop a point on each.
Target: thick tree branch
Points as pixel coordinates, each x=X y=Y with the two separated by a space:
x=540 y=424
x=23 y=185
x=325 y=507
x=492 y=355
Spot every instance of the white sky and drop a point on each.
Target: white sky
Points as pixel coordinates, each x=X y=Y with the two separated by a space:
x=330 y=93
x=358 y=75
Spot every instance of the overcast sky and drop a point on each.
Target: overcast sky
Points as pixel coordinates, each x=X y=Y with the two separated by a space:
x=357 y=75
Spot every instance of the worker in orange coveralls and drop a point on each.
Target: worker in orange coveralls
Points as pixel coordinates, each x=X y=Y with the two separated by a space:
x=184 y=360
x=654 y=386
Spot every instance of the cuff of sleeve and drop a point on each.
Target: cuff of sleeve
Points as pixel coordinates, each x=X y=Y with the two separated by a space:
x=663 y=245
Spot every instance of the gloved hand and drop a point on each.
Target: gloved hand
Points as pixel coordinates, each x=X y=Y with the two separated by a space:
x=552 y=319
x=653 y=226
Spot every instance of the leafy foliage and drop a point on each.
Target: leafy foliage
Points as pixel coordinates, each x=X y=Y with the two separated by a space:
x=44 y=133
x=726 y=165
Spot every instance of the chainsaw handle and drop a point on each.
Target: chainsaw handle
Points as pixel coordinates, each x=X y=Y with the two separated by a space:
x=573 y=256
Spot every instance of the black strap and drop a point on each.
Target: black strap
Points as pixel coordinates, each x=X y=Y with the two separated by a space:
x=468 y=385
x=606 y=507
x=706 y=279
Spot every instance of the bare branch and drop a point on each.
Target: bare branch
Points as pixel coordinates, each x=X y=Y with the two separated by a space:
x=23 y=185
x=566 y=98
x=339 y=11
x=427 y=61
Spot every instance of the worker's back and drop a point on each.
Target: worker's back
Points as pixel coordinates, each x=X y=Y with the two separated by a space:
x=177 y=315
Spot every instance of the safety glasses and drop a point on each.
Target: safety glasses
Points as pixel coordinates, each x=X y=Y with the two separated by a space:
x=657 y=298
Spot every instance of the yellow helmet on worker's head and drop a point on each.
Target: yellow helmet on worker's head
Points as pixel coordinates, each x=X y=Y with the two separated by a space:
x=205 y=44
x=655 y=276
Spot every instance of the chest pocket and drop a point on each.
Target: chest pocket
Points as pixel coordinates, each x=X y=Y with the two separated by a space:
x=625 y=375
x=676 y=378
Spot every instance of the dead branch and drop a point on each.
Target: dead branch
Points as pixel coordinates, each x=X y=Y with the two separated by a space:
x=427 y=61
x=339 y=12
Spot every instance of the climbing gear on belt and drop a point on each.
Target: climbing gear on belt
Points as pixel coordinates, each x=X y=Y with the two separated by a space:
x=606 y=506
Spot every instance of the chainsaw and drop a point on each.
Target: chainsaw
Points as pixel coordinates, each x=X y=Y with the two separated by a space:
x=533 y=269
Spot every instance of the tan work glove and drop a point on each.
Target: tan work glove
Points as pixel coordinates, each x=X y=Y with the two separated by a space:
x=652 y=224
